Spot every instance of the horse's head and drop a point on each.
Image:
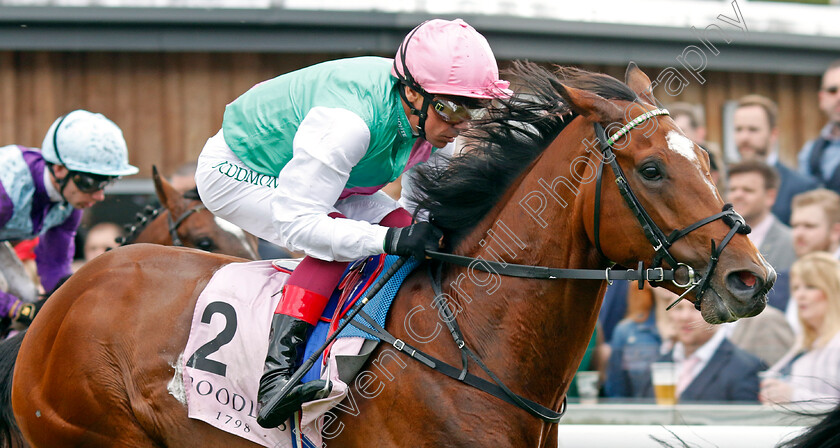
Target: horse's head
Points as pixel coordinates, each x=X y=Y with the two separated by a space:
x=679 y=204
x=186 y=222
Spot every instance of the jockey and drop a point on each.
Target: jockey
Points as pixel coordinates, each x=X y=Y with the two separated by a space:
x=42 y=193
x=300 y=160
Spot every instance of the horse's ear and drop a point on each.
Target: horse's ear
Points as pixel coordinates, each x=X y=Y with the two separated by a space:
x=591 y=105
x=167 y=195
x=639 y=82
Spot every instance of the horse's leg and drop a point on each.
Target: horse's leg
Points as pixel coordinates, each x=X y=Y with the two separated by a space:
x=94 y=368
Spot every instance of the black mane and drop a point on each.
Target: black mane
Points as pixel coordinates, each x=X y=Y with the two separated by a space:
x=459 y=194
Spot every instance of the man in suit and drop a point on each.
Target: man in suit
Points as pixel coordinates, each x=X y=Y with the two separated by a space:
x=820 y=157
x=816 y=227
x=756 y=137
x=752 y=190
x=709 y=367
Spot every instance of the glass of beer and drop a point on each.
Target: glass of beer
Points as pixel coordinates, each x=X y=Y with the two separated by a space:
x=664 y=376
x=587 y=386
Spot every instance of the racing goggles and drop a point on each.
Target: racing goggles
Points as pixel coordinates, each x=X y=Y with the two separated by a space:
x=452 y=112
x=91 y=183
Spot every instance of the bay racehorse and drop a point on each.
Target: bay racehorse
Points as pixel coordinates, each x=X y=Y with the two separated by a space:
x=541 y=186
x=183 y=220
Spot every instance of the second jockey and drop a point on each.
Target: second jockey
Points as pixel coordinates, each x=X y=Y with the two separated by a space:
x=42 y=193
x=301 y=158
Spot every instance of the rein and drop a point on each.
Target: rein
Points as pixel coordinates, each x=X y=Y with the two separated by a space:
x=656 y=273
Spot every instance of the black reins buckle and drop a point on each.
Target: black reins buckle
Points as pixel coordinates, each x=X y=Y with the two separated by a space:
x=659 y=271
x=646 y=274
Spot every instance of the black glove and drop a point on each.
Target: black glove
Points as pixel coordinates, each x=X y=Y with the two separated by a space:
x=413 y=240
x=22 y=312
x=26 y=313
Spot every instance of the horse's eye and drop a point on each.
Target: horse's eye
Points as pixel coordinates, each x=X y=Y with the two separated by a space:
x=651 y=172
x=205 y=244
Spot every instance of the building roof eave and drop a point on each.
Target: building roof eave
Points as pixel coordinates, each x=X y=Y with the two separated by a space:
x=370 y=32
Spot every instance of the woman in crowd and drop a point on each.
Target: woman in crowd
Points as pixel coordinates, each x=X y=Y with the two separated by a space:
x=810 y=372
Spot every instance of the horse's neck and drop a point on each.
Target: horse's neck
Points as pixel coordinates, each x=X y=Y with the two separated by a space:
x=533 y=331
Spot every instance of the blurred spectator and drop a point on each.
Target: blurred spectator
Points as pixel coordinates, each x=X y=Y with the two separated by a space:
x=820 y=157
x=816 y=222
x=692 y=121
x=591 y=361
x=101 y=238
x=689 y=117
x=816 y=227
x=756 y=137
x=183 y=179
x=613 y=308
x=767 y=336
x=708 y=365
x=811 y=371
x=752 y=190
x=637 y=342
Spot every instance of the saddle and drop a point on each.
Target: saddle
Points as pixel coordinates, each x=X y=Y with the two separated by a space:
x=223 y=359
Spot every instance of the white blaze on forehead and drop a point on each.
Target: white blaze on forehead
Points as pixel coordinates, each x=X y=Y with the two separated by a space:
x=683 y=146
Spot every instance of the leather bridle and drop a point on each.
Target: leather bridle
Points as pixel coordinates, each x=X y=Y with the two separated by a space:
x=660 y=242
x=174 y=224
x=150 y=213
x=657 y=238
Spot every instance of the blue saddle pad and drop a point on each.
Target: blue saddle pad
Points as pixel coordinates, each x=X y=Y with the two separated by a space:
x=377 y=307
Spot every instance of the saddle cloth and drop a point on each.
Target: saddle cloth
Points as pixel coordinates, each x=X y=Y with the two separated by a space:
x=223 y=359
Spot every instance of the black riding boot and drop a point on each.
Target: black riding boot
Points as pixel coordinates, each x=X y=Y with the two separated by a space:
x=287 y=333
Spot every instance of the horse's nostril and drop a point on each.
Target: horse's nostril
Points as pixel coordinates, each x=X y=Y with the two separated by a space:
x=743 y=281
x=747 y=278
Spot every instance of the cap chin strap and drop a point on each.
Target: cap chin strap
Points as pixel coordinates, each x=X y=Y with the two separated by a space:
x=62 y=183
x=421 y=126
x=406 y=80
